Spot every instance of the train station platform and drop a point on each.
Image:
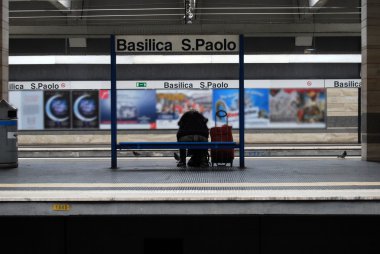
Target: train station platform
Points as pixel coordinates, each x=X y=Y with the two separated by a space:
x=154 y=186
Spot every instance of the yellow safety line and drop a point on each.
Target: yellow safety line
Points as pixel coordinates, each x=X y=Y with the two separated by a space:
x=184 y=185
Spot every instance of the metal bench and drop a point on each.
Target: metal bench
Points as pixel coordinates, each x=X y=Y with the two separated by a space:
x=177 y=145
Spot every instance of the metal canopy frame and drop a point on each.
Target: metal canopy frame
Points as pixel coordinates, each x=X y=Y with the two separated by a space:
x=194 y=145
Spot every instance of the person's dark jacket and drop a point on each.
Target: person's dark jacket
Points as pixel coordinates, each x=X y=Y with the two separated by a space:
x=192 y=123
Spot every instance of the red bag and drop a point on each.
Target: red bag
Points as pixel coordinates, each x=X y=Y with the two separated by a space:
x=221 y=134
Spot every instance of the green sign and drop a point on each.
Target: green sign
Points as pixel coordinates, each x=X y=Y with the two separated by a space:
x=141 y=84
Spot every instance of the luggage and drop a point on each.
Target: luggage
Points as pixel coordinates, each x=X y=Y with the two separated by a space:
x=221 y=134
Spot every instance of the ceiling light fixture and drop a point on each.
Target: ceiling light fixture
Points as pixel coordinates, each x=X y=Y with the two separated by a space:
x=189 y=11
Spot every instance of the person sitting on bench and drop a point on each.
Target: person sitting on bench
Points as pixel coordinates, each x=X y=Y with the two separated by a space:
x=193 y=128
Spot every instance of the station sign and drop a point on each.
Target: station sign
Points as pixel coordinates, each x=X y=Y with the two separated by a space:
x=220 y=84
x=182 y=84
x=176 y=43
x=163 y=84
x=39 y=85
x=343 y=83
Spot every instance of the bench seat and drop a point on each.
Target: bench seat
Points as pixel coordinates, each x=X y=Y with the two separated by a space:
x=177 y=145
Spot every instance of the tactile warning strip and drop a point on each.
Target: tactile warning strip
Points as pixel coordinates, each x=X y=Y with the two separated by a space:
x=174 y=189
x=198 y=185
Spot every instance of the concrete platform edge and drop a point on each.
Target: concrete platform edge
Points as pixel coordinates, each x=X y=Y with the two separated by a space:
x=192 y=208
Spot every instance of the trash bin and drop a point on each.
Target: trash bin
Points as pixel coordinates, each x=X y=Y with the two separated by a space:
x=8 y=136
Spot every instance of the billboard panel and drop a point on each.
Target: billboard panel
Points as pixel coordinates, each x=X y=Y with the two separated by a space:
x=30 y=109
x=57 y=108
x=297 y=108
x=85 y=109
x=256 y=106
x=135 y=109
x=172 y=104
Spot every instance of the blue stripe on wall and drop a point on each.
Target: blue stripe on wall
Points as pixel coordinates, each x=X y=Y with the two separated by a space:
x=8 y=123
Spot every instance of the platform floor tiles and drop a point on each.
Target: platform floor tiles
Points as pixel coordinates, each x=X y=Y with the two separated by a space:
x=145 y=179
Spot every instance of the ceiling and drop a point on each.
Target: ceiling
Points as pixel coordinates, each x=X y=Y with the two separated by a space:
x=55 y=18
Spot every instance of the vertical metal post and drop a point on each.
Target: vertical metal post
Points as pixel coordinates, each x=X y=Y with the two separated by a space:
x=113 y=104
x=359 y=115
x=241 y=101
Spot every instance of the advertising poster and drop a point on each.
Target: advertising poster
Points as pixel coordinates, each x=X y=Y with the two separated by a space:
x=85 y=109
x=256 y=106
x=297 y=107
x=29 y=106
x=171 y=105
x=57 y=106
x=136 y=109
